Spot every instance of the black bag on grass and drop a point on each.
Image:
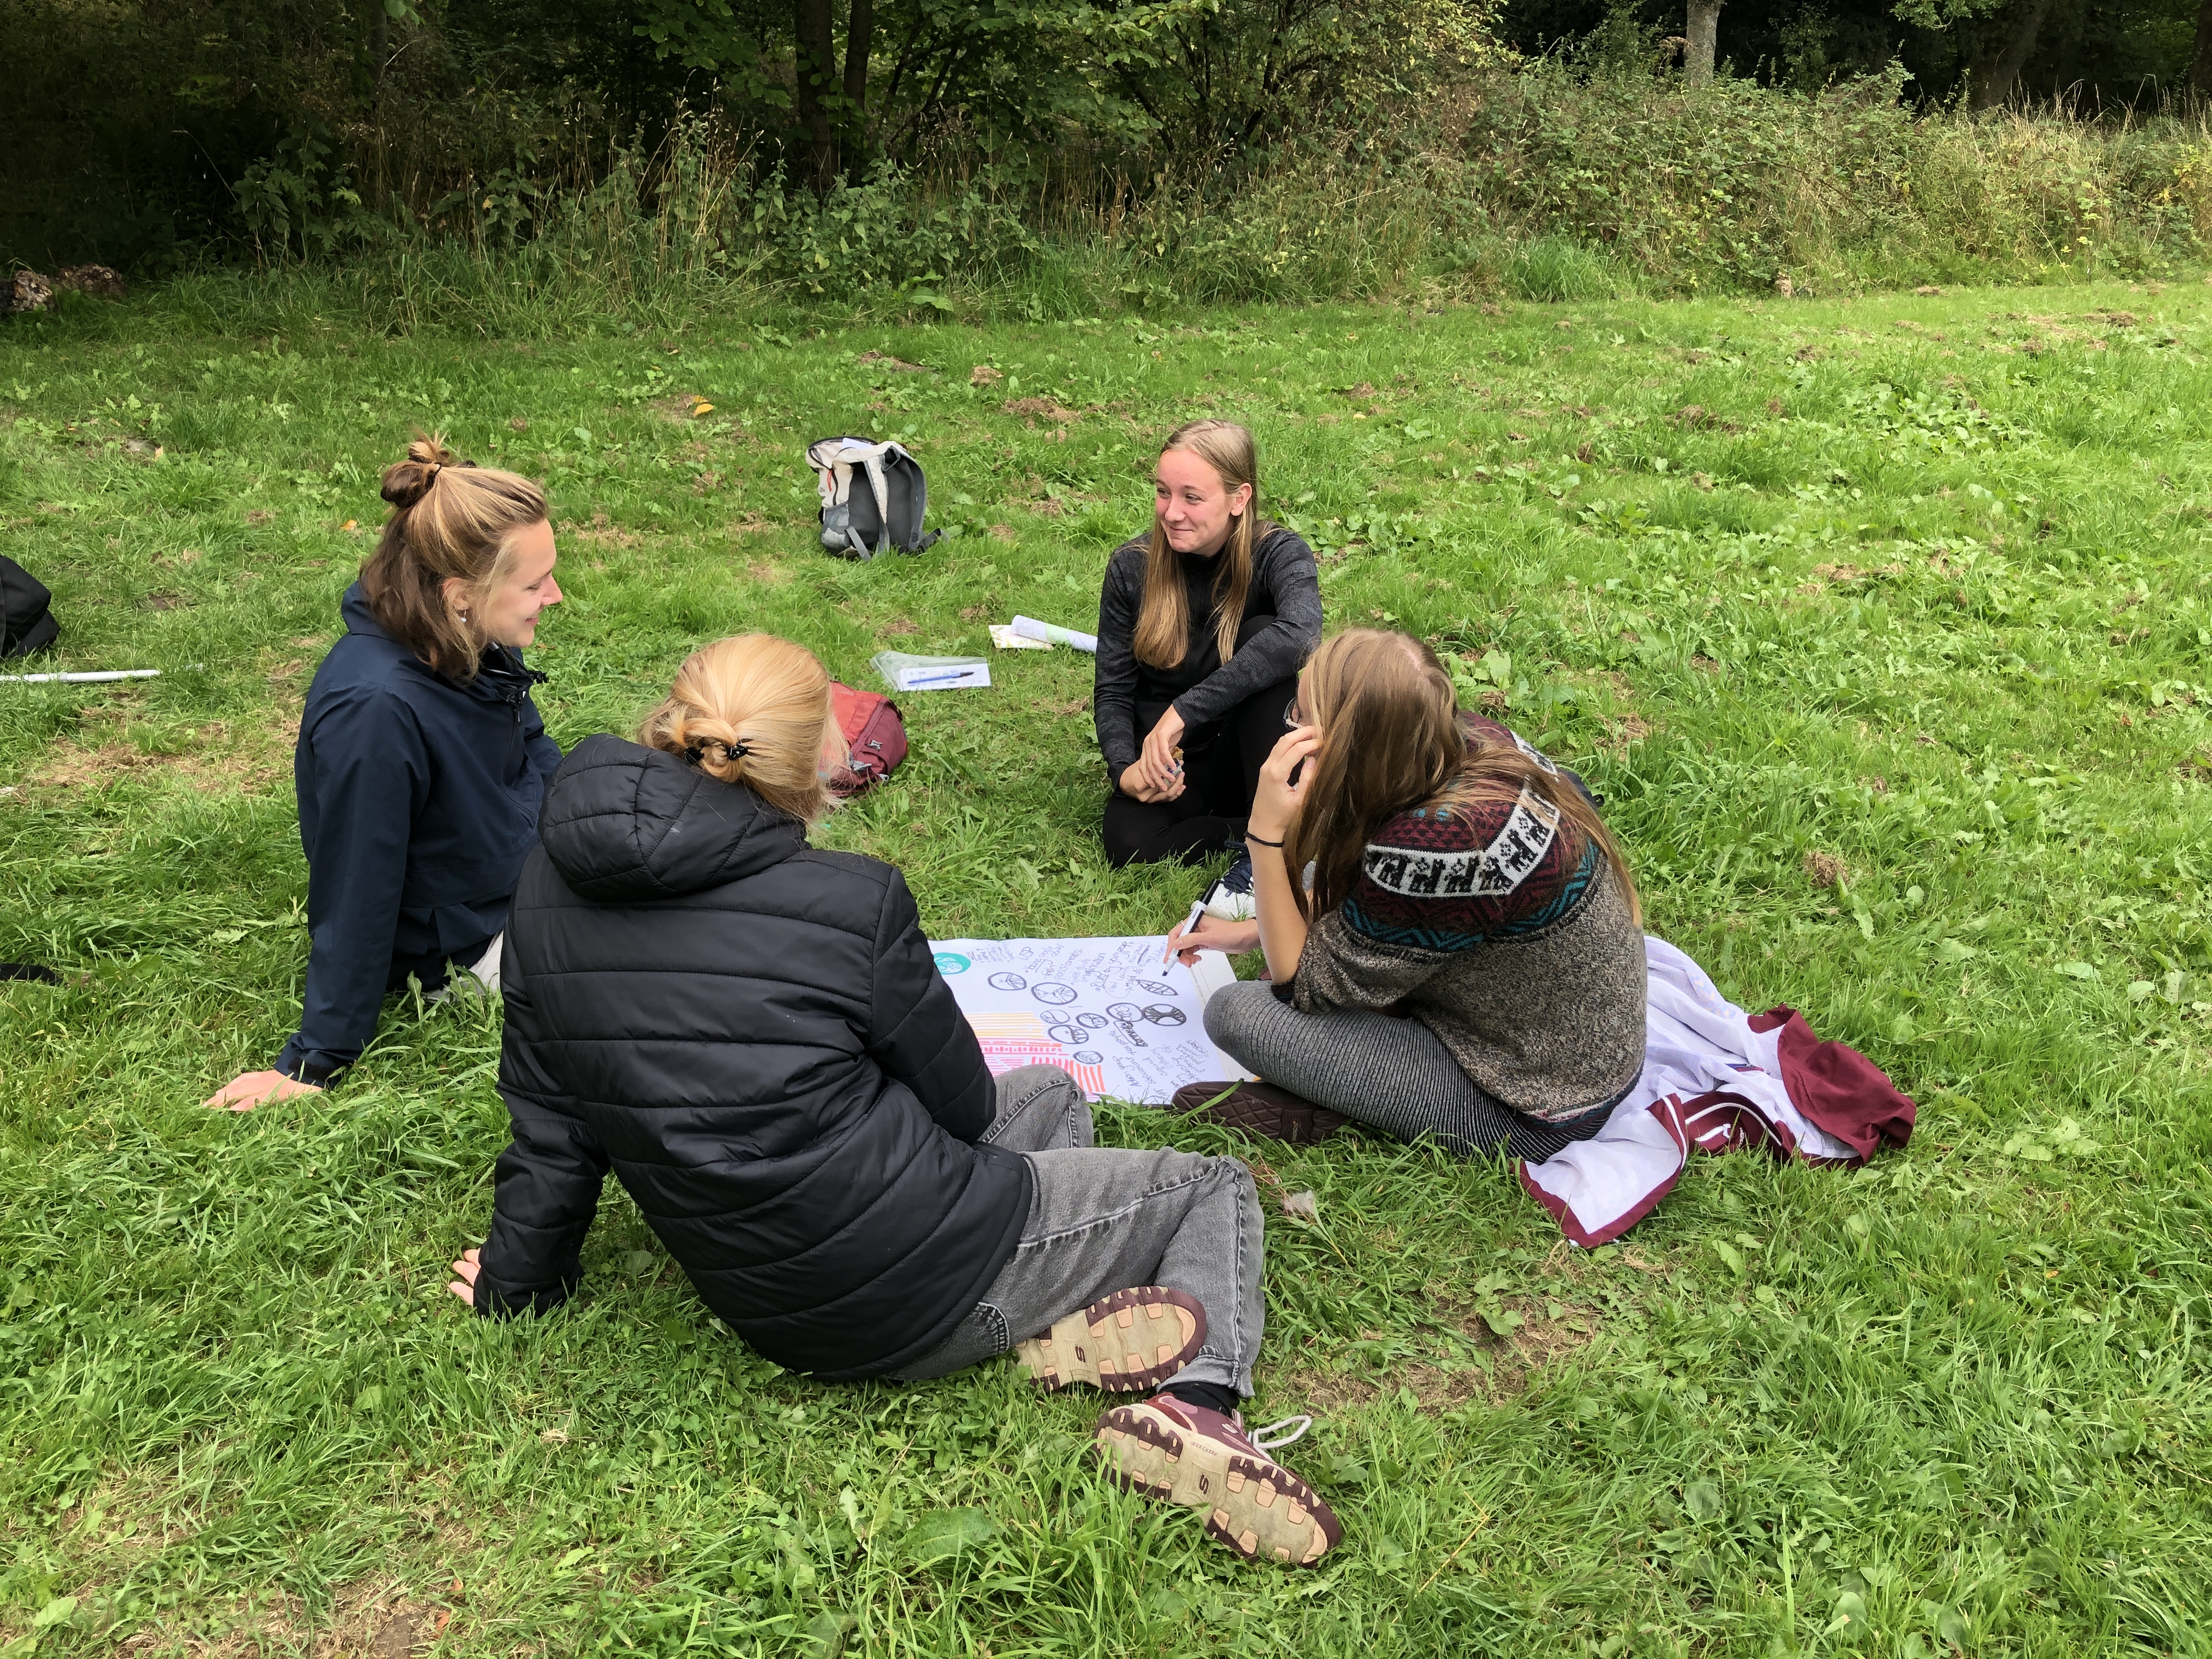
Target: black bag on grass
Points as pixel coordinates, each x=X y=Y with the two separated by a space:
x=874 y=497
x=26 y=617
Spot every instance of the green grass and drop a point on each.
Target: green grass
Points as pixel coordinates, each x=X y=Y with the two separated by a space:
x=1918 y=585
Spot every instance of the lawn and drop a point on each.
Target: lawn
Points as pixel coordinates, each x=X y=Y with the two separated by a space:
x=1882 y=626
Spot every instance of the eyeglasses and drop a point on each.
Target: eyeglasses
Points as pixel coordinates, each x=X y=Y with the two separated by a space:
x=1294 y=715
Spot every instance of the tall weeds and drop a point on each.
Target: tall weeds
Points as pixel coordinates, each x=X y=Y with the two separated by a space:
x=1533 y=183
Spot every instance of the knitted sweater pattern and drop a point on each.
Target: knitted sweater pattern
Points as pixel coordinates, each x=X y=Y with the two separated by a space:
x=1506 y=932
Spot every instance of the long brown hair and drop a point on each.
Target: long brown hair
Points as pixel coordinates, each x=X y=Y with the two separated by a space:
x=1163 y=619
x=449 y=519
x=1391 y=741
x=752 y=709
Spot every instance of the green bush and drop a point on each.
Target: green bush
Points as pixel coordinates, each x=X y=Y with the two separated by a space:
x=1531 y=184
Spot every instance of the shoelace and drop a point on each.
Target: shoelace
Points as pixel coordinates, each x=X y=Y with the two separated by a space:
x=1268 y=1440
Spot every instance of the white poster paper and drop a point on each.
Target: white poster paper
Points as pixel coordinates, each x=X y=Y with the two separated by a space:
x=1108 y=1011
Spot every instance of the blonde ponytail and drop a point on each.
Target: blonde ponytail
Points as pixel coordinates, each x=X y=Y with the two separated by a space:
x=754 y=710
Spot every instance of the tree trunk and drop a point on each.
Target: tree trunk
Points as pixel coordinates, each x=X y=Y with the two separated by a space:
x=2200 y=61
x=815 y=72
x=1993 y=88
x=860 y=37
x=1700 y=33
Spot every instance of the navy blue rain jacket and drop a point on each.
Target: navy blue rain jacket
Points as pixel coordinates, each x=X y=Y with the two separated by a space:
x=418 y=802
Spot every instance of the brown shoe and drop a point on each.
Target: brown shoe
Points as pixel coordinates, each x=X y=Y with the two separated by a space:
x=1131 y=1340
x=1259 y=1108
x=1177 y=1453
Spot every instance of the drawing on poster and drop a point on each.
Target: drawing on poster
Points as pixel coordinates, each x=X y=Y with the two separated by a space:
x=1105 y=1010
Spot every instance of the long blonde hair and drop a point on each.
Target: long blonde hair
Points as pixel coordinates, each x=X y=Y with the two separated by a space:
x=449 y=519
x=1392 y=740
x=751 y=710
x=1162 y=636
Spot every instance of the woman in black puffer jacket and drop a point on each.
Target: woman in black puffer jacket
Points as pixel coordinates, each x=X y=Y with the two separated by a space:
x=753 y=1036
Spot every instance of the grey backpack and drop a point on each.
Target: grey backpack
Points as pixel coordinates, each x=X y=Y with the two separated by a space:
x=874 y=497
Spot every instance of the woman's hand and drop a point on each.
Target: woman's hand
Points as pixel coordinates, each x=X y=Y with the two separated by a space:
x=468 y=1267
x=1162 y=768
x=1137 y=784
x=1212 y=933
x=250 y=1088
x=1275 y=804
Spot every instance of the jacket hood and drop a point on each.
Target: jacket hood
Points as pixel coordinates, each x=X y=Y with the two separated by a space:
x=358 y=617
x=623 y=823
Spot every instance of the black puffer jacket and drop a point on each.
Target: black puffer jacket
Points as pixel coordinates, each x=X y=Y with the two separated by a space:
x=754 y=1034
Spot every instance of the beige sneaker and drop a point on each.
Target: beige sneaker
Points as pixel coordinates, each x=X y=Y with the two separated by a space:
x=1124 y=1343
x=1169 y=1448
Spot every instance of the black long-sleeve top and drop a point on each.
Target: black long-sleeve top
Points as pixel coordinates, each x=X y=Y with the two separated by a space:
x=1201 y=687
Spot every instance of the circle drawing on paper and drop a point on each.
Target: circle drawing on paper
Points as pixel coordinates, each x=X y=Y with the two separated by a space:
x=1124 y=1013
x=1085 y=1057
x=1054 y=994
x=949 y=962
x=1154 y=986
x=1165 y=1014
x=1009 y=982
x=1096 y=1022
x=1067 y=1036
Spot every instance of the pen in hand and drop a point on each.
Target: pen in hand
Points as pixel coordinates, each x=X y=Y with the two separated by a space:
x=1189 y=921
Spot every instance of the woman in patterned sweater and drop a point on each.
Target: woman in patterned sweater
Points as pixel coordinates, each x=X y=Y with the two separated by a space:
x=1467 y=962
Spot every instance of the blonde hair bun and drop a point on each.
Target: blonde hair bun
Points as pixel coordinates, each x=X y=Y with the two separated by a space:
x=751 y=710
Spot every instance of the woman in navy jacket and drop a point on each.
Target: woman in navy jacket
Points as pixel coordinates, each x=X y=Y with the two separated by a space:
x=421 y=759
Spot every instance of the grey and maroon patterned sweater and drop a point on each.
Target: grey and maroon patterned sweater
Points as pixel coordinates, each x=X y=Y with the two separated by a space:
x=1497 y=925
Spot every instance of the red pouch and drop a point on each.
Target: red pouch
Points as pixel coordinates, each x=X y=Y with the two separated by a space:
x=873 y=732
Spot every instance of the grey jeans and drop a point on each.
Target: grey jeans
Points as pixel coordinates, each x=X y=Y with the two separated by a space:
x=1392 y=1074
x=1102 y=1219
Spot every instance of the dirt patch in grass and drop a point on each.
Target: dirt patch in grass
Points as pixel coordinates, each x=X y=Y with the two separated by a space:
x=897 y=365
x=1041 y=409
x=1550 y=1331
x=1826 y=869
x=216 y=757
x=1624 y=731
x=682 y=407
x=376 y=1619
x=601 y=531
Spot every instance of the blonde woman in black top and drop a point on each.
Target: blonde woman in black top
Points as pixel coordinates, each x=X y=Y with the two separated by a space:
x=1202 y=626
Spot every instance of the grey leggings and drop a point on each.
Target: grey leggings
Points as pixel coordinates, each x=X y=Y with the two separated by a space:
x=1390 y=1074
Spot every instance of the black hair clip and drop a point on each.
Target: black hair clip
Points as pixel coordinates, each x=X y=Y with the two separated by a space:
x=696 y=752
